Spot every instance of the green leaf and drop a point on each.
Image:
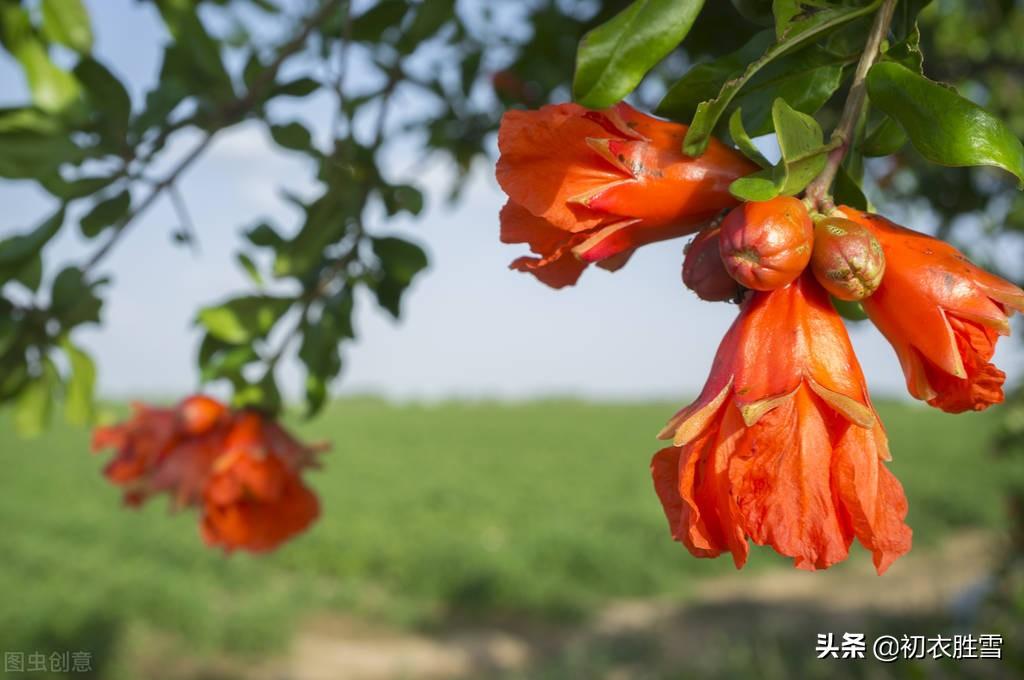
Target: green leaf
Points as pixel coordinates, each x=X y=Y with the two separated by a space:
x=400 y=261
x=28 y=274
x=226 y=362
x=846 y=191
x=194 y=59
x=904 y=17
x=803 y=157
x=27 y=154
x=703 y=81
x=32 y=410
x=369 y=25
x=250 y=268
x=67 y=22
x=263 y=395
x=401 y=197
x=17 y=250
x=105 y=214
x=76 y=188
x=614 y=57
x=292 y=136
x=806 y=79
x=325 y=224
x=430 y=16
x=783 y=11
x=943 y=126
x=244 y=319
x=53 y=89
x=300 y=87
x=885 y=138
x=73 y=300
x=743 y=142
x=849 y=310
x=264 y=236
x=108 y=98
x=907 y=51
x=320 y=347
x=757 y=11
x=799 y=33
x=79 y=404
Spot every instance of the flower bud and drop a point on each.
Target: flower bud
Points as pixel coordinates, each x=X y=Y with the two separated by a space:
x=767 y=244
x=199 y=414
x=703 y=270
x=847 y=260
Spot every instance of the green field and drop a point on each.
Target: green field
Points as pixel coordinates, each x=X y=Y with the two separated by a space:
x=541 y=510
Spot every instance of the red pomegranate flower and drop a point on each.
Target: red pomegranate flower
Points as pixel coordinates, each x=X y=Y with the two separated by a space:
x=255 y=498
x=783 y=446
x=591 y=186
x=241 y=467
x=942 y=315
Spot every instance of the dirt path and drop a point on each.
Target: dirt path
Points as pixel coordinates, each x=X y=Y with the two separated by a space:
x=924 y=581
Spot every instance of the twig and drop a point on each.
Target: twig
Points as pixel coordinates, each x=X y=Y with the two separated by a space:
x=228 y=115
x=817 y=191
x=188 y=226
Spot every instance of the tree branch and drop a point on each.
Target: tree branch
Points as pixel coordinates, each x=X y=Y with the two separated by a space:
x=817 y=192
x=228 y=115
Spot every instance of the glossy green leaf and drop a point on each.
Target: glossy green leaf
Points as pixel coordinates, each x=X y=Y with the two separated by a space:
x=847 y=191
x=79 y=404
x=799 y=33
x=757 y=11
x=67 y=22
x=613 y=58
x=943 y=126
x=885 y=138
x=803 y=157
x=703 y=81
x=244 y=319
x=743 y=142
x=849 y=310
x=904 y=17
x=783 y=12
x=105 y=214
x=806 y=79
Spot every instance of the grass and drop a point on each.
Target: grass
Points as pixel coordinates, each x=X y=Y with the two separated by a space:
x=540 y=510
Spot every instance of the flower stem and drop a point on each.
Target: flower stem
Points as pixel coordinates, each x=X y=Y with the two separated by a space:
x=817 y=192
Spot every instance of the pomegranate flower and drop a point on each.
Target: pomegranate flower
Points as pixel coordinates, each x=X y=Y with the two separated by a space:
x=942 y=315
x=783 y=446
x=240 y=467
x=591 y=186
x=255 y=498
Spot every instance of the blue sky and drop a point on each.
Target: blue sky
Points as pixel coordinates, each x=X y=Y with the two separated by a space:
x=471 y=327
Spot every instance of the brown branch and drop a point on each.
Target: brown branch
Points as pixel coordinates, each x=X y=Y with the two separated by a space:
x=229 y=115
x=817 y=192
